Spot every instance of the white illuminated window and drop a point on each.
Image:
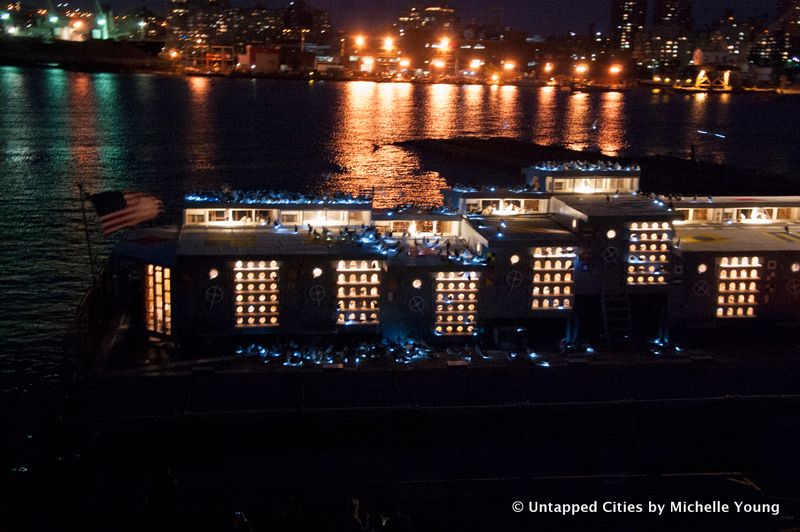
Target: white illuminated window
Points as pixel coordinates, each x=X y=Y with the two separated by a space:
x=514 y=259
x=158 y=299
x=316 y=272
x=456 y=303
x=702 y=268
x=553 y=278
x=417 y=283
x=648 y=256
x=796 y=267
x=738 y=286
x=358 y=292
x=611 y=234
x=256 y=293
x=213 y=273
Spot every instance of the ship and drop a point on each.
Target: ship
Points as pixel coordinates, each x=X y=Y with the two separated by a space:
x=573 y=259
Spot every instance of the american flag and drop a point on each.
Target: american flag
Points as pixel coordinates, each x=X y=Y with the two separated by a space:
x=118 y=210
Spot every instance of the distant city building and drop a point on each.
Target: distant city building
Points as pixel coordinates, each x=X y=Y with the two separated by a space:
x=628 y=19
x=434 y=17
x=670 y=42
x=677 y=12
x=779 y=45
x=302 y=22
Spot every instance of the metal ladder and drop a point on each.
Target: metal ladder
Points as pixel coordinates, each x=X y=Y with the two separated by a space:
x=617 y=320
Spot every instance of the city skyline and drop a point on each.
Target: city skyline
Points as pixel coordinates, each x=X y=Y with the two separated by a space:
x=542 y=17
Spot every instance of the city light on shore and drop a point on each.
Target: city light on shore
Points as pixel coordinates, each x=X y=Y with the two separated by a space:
x=388 y=44
x=360 y=40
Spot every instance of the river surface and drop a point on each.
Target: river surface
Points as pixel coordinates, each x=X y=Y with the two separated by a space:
x=168 y=134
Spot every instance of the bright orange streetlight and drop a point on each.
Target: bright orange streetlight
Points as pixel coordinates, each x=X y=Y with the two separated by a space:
x=388 y=44
x=509 y=65
x=405 y=63
x=475 y=64
x=444 y=44
x=360 y=40
x=438 y=63
x=615 y=69
x=581 y=68
x=548 y=67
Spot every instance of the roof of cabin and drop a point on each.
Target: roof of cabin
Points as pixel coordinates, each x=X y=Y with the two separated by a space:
x=737 y=238
x=252 y=199
x=262 y=241
x=404 y=213
x=625 y=206
x=532 y=229
x=740 y=202
x=490 y=192
x=155 y=245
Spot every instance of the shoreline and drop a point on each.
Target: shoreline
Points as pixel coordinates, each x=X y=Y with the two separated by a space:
x=106 y=68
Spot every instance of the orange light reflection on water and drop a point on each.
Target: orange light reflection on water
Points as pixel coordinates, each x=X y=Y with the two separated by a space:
x=611 y=124
x=546 y=119
x=201 y=151
x=372 y=116
x=577 y=122
x=84 y=154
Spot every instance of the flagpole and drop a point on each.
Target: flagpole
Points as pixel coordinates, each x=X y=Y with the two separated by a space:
x=86 y=230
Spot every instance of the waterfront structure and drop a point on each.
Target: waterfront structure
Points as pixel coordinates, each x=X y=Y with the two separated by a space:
x=574 y=252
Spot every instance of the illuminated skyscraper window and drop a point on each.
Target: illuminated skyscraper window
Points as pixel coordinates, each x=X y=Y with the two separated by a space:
x=158 y=299
x=255 y=289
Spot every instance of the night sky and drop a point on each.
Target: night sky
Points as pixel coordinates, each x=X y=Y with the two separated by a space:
x=544 y=17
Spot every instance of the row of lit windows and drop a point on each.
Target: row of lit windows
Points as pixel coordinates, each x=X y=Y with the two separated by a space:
x=738 y=274
x=552 y=265
x=738 y=298
x=158 y=299
x=357 y=292
x=552 y=279
x=632 y=248
x=356 y=265
x=560 y=252
x=662 y=258
x=727 y=262
x=643 y=237
x=456 y=303
x=640 y=226
x=256 y=294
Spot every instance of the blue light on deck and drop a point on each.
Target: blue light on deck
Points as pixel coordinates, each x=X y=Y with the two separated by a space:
x=499 y=235
x=544 y=364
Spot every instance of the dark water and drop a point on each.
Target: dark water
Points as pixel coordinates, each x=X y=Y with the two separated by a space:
x=169 y=134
